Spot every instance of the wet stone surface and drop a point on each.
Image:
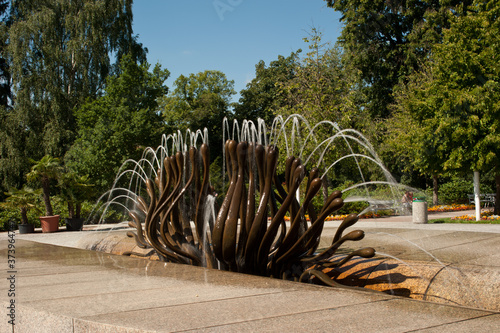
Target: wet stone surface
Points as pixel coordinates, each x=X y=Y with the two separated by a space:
x=63 y=289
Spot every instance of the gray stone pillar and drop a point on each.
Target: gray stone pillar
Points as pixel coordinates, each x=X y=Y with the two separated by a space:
x=419 y=211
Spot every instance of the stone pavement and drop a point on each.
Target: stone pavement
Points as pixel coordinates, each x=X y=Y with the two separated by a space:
x=60 y=288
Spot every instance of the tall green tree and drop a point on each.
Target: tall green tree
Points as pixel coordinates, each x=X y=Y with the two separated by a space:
x=59 y=54
x=386 y=40
x=11 y=175
x=459 y=102
x=322 y=88
x=260 y=97
x=120 y=124
x=325 y=88
x=467 y=90
x=411 y=143
x=5 y=21
x=200 y=101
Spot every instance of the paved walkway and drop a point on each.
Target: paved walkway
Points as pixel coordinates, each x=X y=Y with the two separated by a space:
x=65 y=289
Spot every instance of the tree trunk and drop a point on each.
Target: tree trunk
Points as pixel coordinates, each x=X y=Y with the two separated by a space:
x=78 y=210
x=24 y=215
x=46 y=196
x=435 y=189
x=71 y=209
x=497 y=196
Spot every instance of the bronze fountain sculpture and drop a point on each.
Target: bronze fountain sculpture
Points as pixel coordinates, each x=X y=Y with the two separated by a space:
x=282 y=184
x=177 y=218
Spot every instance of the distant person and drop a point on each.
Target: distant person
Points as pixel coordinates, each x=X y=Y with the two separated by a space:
x=406 y=201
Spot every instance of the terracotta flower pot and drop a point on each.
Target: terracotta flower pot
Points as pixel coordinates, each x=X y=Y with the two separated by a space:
x=50 y=223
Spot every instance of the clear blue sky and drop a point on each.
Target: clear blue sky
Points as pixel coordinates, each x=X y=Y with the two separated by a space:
x=190 y=36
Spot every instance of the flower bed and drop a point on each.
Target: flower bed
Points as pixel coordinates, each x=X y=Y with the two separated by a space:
x=367 y=215
x=485 y=216
x=450 y=208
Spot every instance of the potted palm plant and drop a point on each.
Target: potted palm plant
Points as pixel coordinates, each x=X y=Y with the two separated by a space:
x=74 y=189
x=43 y=171
x=24 y=200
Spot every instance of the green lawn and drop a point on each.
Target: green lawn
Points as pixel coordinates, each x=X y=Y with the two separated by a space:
x=449 y=220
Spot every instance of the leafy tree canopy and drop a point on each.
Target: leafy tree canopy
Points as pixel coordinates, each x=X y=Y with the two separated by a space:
x=322 y=88
x=386 y=40
x=453 y=99
x=58 y=54
x=458 y=99
x=260 y=97
x=120 y=124
x=466 y=88
x=200 y=101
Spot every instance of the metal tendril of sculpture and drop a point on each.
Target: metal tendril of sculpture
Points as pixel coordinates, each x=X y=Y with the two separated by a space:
x=175 y=215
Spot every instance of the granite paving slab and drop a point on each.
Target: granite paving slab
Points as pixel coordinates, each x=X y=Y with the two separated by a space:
x=61 y=289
